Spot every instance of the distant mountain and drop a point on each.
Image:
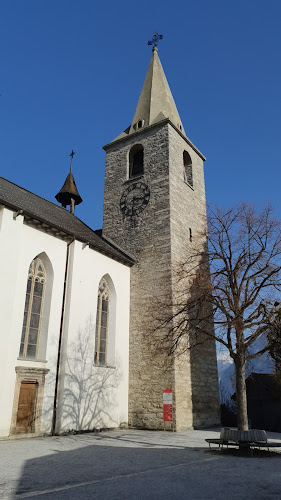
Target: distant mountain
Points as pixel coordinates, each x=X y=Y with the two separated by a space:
x=226 y=371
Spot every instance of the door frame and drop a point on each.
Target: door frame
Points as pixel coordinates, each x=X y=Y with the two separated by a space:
x=27 y=383
x=35 y=376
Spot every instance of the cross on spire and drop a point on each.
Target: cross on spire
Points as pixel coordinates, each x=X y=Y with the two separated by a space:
x=155 y=40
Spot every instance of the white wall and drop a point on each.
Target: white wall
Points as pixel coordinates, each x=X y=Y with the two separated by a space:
x=19 y=245
x=93 y=396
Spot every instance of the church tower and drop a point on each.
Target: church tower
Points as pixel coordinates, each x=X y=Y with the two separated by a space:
x=154 y=201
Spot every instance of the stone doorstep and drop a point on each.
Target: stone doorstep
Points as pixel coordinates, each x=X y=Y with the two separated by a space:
x=31 y=435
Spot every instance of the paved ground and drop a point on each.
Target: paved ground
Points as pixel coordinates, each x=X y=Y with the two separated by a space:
x=133 y=464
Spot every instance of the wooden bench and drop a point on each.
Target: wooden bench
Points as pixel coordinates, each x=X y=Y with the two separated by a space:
x=253 y=438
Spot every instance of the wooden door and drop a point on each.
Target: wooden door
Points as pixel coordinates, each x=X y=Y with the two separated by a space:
x=26 y=408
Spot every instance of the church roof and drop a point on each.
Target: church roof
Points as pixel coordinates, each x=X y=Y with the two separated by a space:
x=54 y=216
x=156 y=101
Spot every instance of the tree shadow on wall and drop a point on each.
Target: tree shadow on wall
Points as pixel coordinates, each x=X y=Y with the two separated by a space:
x=183 y=332
x=89 y=398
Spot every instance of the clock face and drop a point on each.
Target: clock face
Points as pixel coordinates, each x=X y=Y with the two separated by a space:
x=134 y=199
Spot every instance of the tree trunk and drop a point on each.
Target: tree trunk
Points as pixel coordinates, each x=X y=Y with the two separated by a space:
x=241 y=394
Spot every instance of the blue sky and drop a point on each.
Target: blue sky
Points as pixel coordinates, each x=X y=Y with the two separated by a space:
x=71 y=73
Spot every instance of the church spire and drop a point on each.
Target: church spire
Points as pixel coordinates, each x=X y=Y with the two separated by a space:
x=156 y=101
x=68 y=195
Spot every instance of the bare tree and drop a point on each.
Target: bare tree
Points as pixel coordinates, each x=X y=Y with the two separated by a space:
x=226 y=291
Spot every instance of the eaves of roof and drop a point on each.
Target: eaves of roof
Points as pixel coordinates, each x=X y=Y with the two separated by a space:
x=54 y=216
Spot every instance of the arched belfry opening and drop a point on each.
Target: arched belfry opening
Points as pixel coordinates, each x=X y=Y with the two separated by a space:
x=187 y=163
x=136 y=161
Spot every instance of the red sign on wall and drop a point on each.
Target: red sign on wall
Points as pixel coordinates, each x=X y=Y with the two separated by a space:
x=168 y=405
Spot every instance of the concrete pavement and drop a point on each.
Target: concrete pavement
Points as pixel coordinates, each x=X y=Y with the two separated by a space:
x=133 y=464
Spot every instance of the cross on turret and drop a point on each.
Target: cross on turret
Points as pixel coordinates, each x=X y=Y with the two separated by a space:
x=71 y=154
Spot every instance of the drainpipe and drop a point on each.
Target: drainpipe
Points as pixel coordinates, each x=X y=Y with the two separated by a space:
x=60 y=341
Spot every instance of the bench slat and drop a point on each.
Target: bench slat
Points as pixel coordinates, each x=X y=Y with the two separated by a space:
x=243 y=436
x=251 y=438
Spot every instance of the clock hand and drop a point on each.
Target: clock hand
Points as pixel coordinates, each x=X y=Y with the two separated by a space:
x=137 y=198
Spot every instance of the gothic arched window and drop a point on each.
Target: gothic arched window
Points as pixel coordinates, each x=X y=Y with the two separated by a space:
x=187 y=163
x=102 y=324
x=136 y=161
x=33 y=310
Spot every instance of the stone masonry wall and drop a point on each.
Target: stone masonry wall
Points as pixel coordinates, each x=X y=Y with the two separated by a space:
x=188 y=211
x=158 y=237
x=147 y=236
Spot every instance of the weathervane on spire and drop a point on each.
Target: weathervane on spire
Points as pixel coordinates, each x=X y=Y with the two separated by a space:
x=155 y=40
x=71 y=154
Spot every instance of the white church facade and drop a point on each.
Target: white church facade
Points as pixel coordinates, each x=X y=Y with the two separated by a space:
x=75 y=302
x=36 y=309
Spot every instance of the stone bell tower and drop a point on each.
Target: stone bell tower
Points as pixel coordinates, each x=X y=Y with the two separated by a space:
x=153 y=200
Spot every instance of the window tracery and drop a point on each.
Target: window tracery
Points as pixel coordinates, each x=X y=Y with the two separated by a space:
x=101 y=337
x=33 y=310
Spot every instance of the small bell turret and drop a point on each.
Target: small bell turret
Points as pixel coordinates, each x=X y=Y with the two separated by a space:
x=68 y=195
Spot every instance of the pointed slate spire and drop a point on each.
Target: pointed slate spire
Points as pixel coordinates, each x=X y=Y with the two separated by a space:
x=156 y=101
x=68 y=195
